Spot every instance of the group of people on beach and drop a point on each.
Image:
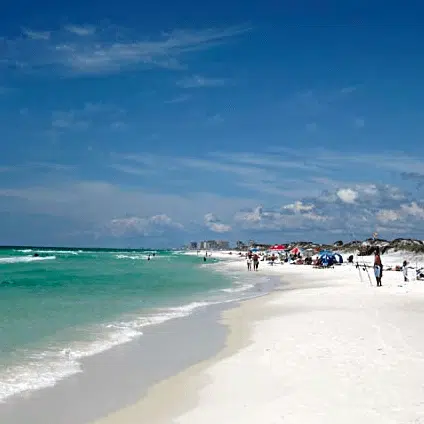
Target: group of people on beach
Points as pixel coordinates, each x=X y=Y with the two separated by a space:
x=252 y=259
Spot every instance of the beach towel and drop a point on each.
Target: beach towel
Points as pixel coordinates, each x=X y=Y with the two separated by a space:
x=377 y=271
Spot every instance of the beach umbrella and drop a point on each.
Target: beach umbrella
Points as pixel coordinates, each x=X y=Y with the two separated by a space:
x=338 y=258
x=295 y=251
x=277 y=247
x=327 y=259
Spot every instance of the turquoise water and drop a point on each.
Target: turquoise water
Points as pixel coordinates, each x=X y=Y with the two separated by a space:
x=66 y=304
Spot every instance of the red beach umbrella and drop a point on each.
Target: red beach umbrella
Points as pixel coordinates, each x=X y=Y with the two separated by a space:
x=278 y=247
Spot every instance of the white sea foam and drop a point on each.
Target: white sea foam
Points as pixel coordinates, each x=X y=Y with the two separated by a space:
x=25 y=259
x=45 y=369
x=60 y=252
x=239 y=289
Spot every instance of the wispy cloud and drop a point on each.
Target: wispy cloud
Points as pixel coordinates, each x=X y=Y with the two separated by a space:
x=146 y=226
x=215 y=119
x=45 y=166
x=75 y=50
x=81 y=30
x=86 y=116
x=261 y=174
x=36 y=35
x=197 y=81
x=179 y=99
x=349 y=89
x=132 y=170
x=317 y=102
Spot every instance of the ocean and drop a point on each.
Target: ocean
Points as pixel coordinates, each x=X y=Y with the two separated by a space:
x=66 y=304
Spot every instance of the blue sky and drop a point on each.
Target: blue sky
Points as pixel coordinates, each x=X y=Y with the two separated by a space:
x=132 y=125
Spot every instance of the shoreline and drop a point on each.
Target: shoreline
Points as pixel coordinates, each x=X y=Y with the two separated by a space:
x=151 y=408
x=325 y=346
x=113 y=379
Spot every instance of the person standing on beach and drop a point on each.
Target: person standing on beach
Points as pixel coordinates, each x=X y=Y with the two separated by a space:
x=249 y=263
x=378 y=267
x=405 y=271
x=255 y=262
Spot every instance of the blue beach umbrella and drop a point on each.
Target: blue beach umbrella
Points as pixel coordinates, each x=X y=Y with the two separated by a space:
x=327 y=259
x=338 y=258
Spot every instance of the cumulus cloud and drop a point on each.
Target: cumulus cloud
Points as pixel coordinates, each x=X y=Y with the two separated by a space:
x=413 y=210
x=214 y=224
x=387 y=215
x=347 y=195
x=288 y=217
x=355 y=211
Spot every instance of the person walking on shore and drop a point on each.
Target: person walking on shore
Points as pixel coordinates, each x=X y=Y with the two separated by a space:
x=249 y=263
x=255 y=262
x=378 y=267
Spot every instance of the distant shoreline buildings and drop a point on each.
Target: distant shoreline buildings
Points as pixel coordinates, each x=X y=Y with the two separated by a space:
x=221 y=245
x=209 y=245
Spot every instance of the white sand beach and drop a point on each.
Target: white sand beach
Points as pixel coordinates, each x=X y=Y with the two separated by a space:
x=327 y=348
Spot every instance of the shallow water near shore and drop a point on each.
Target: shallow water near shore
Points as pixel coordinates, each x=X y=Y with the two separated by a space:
x=58 y=306
x=122 y=375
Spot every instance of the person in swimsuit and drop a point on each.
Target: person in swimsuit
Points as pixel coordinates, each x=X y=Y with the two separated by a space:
x=378 y=267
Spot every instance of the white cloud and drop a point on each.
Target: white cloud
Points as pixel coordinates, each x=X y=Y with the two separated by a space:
x=215 y=119
x=214 y=224
x=154 y=225
x=349 y=89
x=286 y=218
x=81 y=30
x=299 y=206
x=197 y=81
x=387 y=215
x=75 y=50
x=179 y=99
x=347 y=195
x=36 y=35
x=90 y=113
x=413 y=209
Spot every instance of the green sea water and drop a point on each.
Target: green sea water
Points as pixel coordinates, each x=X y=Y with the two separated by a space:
x=62 y=305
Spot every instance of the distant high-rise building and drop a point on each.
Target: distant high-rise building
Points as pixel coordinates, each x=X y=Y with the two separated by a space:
x=193 y=245
x=214 y=245
x=223 y=244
